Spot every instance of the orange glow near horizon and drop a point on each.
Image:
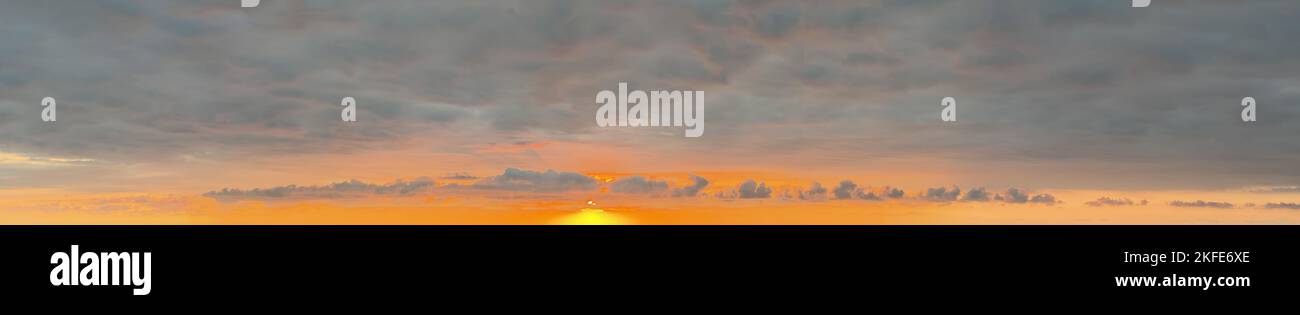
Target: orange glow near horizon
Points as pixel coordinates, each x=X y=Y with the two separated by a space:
x=617 y=209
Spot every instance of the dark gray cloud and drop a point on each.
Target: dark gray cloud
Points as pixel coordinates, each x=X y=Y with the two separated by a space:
x=211 y=80
x=1200 y=204
x=892 y=192
x=1013 y=195
x=638 y=185
x=549 y=181
x=753 y=190
x=1107 y=201
x=345 y=189
x=1283 y=205
x=869 y=195
x=846 y=190
x=1016 y=195
x=815 y=193
x=977 y=194
x=942 y=194
x=1043 y=199
x=697 y=183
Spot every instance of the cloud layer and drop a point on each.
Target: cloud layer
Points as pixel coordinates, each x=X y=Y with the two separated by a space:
x=1061 y=94
x=345 y=189
x=638 y=185
x=1201 y=204
x=549 y=181
x=1110 y=202
x=698 y=183
x=552 y=181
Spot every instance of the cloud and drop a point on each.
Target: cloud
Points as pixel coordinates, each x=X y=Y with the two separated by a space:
x=218 y=82
x=1015 y=195
x=1279 y=190
x=1200 y=204
x=977 y=194
x=846 y=190
x=1043 y=199
x=815 y=193
x=346 y=189
x=869 y=195
x=753 y=190
x=1283 y=205
x=887 y=191
x=459 y=176
x=1107 y=201
x=942 y=194
x=127 y=208
x=550 y=181
x=638 y=185
x=15 y=160
x=697 y=184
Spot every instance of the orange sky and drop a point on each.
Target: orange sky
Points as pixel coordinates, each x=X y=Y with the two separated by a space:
x=482 y=112
x=569 y=208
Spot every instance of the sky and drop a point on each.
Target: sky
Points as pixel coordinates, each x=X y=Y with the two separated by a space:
x=482 y=112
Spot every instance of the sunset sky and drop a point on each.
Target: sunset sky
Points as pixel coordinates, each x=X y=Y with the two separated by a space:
x=482 y=112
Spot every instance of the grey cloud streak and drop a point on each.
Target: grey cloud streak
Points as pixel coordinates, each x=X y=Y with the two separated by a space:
x=697 y=183
x=1201 y=204
x=345 y=189
x=549 y=181
x=638 y=185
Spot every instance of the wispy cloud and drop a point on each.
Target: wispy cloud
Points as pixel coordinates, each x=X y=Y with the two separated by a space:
x=21 y=160
x=1278 y=190
x=1283 y=205
x=346 y=189
x=1107 y=201
x=1201 y=204
x=549 y=181
x=638 y=185
x=459 y=176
